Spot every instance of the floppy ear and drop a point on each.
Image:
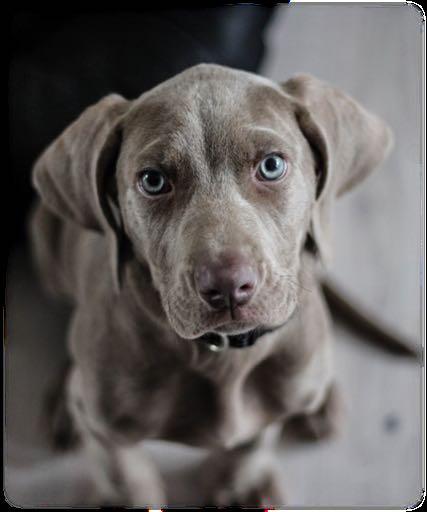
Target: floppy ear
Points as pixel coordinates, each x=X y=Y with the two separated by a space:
x=348 y=143
x=72 y=175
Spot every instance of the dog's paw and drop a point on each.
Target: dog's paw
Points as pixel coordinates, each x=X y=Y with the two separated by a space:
x=325 y=423
x=266 y=492
x=252 y=482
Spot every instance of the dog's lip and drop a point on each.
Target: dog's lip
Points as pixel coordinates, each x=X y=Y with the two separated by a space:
x=223 y=323
x=231 y=328
x=237 y=322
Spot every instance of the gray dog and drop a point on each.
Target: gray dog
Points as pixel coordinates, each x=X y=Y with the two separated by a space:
x=186 y=226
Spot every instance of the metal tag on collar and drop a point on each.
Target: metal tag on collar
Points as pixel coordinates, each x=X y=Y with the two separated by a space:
x=219 y=346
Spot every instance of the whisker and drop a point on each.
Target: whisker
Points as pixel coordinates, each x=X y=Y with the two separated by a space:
x=299 y=285
x=292 y=281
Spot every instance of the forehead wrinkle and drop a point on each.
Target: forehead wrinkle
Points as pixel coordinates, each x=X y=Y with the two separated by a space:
x=185 y=148
x=262 y=136
x=147 y=149
x=213 y=128
x=261 y=129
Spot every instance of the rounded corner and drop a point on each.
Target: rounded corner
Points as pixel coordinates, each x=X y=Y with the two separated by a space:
x=418 y=503
x=10 y=501
x=418 y=8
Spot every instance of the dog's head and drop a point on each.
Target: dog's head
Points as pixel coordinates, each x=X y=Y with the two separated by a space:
x=218 y=178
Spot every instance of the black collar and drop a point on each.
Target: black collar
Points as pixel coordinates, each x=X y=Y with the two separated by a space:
x=218 y=342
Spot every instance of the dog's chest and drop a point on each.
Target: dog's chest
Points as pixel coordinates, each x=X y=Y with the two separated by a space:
x=214 y=412
x=222 y=404
x=233 y=404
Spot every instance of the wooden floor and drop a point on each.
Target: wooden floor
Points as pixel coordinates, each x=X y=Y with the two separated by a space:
x=374 y=53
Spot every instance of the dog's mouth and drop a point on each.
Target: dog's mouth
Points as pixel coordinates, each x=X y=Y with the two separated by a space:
x=220 y=341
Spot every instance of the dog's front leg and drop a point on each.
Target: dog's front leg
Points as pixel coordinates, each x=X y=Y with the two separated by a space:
x=247 y=475
x=123 y=474
x=143 y=482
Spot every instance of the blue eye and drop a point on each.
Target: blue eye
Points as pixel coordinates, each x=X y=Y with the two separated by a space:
x=271 y=168
x=153 y=182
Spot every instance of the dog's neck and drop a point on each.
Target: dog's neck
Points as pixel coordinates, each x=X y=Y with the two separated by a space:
x=218 y=342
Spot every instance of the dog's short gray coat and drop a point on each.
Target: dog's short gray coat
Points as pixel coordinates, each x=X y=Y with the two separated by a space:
x=127 y=260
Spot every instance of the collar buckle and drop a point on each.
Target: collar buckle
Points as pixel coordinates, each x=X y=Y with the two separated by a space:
x=219 y=343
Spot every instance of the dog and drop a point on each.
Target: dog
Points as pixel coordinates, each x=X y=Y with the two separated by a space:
x=187 y=228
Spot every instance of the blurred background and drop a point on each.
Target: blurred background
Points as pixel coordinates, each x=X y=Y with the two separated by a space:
x=59 y=65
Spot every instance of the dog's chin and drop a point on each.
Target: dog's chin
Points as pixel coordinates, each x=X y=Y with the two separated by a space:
x=229 y=329
x=243 y=323
x=222 y=323
x=233 y=328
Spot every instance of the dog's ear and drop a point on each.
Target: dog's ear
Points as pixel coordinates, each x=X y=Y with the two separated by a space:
x=74 y=174
x=347 y=141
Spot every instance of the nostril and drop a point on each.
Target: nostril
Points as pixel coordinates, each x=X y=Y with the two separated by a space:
x=214 y=297
x=212 y=294
x=244 y=293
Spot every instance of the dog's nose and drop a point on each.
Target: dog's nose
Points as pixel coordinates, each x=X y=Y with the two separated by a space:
x=230 y=281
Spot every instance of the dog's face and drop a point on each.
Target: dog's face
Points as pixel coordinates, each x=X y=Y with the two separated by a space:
x=221 y=177
x=216 y=186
